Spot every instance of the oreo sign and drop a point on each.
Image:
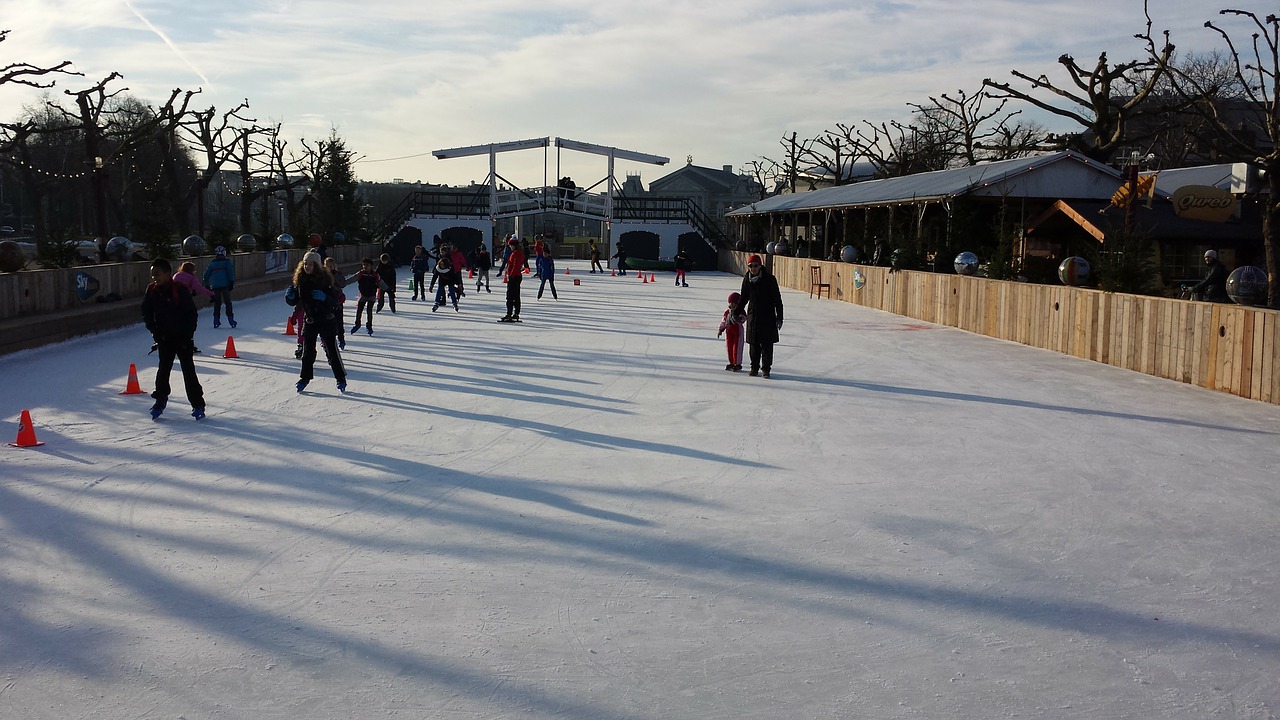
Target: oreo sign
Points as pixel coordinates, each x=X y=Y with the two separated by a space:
x=1203 y=202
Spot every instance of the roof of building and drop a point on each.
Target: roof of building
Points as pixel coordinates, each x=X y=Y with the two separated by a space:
x=716 y=179
x=1051 y=176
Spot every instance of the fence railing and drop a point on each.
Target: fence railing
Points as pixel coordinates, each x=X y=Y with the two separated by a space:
x=1230 y=348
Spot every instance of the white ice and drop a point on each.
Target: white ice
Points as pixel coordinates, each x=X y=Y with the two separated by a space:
x=584 y=516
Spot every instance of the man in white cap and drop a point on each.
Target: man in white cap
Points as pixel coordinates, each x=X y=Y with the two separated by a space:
x=1213 y=288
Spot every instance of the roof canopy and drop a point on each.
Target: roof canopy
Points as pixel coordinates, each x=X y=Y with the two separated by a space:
x=1059 y=175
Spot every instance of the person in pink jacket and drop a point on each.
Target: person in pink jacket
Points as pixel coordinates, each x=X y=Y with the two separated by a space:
x=186 y=276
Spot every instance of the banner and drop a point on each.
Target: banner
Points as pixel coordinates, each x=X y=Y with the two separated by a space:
x=86 y=286
x=1204 y=202
x=277 y=261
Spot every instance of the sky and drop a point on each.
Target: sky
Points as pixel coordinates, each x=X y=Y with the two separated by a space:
x=717 y=81
x=585 y=517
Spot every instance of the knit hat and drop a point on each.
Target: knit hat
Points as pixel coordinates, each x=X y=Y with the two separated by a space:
x=220 y=251
x=312 y=257
x=753 y=259
x=734 y=298
x=1211 y=254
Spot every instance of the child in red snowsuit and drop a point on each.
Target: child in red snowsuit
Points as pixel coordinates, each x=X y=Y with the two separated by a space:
x=732 y=328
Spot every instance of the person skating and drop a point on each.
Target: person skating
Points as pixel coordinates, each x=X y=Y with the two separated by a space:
x=620 y=254
x=339 y=284
x=547 y=272
x=445 y=273
x=484 y=262
x=367 y=283
x=387 y=290
x=513 y=267
x=313 y=290
x=186 y=276
x=762 y=301
x=682 y=263
x=220 y=277
x=731 y=328
x=170 y=316
x=419 y=266
x=595 y=256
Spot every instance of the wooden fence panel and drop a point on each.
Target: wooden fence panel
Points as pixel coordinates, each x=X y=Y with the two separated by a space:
x=1223 y=347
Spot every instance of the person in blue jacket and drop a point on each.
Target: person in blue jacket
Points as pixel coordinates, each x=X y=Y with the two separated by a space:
x=313 y=289
x=547 y=272
x=220 y=277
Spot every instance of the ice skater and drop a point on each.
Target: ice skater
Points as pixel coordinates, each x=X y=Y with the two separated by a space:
x=313 y=290
x=220 y=277
x=547 y=273
x=170 y=315
x=763 y=303
x=731 y=327
x=368 y=283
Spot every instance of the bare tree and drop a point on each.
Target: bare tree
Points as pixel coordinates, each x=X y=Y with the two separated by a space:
x=1104 y=99
x=974 y=133
x=1253 y=131
x=766 y=173
x=896 y=149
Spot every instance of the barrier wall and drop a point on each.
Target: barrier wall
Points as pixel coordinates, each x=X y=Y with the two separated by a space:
x=38 y=307
x=1230 y=348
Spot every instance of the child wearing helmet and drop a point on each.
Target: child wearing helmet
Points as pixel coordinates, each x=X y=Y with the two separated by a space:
x=731 y=327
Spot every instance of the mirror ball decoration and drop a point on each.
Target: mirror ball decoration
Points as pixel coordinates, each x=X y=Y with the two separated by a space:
x=966 y=263
x=1073 y=271
x=195 y=245
x=849 y=254
x=1247 y=285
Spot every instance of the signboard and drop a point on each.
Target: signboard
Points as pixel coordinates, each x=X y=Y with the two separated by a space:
x=86 y=286
x=1204 y=202
x=277 y=261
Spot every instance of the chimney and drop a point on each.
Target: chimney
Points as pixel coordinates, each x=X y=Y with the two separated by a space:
x=728 y=168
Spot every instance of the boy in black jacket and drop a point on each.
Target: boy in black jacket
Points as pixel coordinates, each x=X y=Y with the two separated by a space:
x=368 y=283
x=170 y=315
x=387 y=271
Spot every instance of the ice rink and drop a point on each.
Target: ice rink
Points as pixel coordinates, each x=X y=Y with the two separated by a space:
x=584 y=516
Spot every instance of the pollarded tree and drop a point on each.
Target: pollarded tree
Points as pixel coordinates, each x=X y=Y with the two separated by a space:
x=1104 y=99
x=1254 y=134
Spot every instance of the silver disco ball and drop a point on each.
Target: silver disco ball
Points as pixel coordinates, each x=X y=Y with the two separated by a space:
x=119 y=248
x=247 y=243
x=284 y=241
x=1247 y=285
x=781 y=248
x=195 y=245
x=1074 y=271
x=769 y=248
x=966 y=263
x=849 y=254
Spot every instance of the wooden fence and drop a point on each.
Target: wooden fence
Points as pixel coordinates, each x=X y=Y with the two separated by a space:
x=1230 y=348
x=38 y=307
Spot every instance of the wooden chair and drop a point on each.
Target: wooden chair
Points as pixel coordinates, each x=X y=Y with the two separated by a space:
x=816 y=284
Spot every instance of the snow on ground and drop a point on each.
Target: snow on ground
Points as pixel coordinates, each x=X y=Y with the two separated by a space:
x=585 y=516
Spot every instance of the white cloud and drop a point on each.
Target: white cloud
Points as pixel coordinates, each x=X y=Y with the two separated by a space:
x=720 y=80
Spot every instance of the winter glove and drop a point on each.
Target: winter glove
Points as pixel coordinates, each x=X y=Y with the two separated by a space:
x=318 y=295
x=779 y=323
x=231 y=286
x=291 y=295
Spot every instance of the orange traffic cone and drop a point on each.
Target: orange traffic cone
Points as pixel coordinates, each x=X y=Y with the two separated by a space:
x=644 y=278
x=613 y=273
x=231 y=349
x=290 y=330
x=576 y=281
x=471 y=273
x=653 y=278
x=132 y=387
x=26 y=433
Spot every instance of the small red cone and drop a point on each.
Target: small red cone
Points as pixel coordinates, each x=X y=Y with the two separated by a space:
x=566 y=271
x=471 y=273
x=291 y=329
x=613 y=273
x=132 y=387
x=26 y=433
x=231 y=349
x=653 y=278
x=576 y=281
x=644 y=278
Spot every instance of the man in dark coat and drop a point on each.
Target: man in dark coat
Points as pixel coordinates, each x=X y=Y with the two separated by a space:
x=170 y=315
x=762 y=301
x=1213 y=288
